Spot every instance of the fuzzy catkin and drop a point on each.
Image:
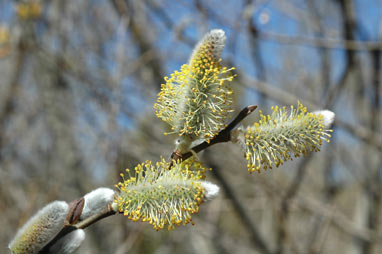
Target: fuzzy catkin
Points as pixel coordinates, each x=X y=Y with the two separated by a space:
x=40 y=229
x=160 y=196
x=283 y=134
x=196 y=100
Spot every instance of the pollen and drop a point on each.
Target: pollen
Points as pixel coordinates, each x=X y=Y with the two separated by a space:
x=282 y=135
x=197 y=100
x=162 y=197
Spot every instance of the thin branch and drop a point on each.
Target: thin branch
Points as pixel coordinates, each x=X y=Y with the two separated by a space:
x=223 y=136
x=96 y=217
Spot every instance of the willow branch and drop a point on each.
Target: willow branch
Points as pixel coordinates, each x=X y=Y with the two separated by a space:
x=73 y=221
x=223 y=136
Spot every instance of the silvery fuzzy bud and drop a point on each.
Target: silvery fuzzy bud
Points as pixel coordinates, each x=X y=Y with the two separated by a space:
x=40 y=229
x=327 y=117
x=97 y=201
x=211 y=190
x=69 y=243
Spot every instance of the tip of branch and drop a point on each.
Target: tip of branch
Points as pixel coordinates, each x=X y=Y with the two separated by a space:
x=251 y=108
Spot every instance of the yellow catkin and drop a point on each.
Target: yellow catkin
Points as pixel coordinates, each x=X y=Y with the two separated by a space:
x=281 y=135
x=196 y=100
x=162 y=197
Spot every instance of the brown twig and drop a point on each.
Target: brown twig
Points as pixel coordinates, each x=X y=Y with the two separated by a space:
x=223 y=136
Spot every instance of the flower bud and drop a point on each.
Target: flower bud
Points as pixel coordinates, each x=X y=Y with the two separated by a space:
x=163 y=197
x=196 y=100
x=281 y=135
x=69 y=243
x=40 y=229
x=96 y=201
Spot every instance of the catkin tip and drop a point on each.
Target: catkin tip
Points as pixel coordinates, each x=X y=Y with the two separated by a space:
x=211 y=190
x=328 y=117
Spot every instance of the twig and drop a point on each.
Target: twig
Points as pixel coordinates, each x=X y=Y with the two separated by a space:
x=96 y=217
x=223 y=136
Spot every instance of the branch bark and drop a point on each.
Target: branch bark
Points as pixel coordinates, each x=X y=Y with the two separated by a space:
x=223 y=136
